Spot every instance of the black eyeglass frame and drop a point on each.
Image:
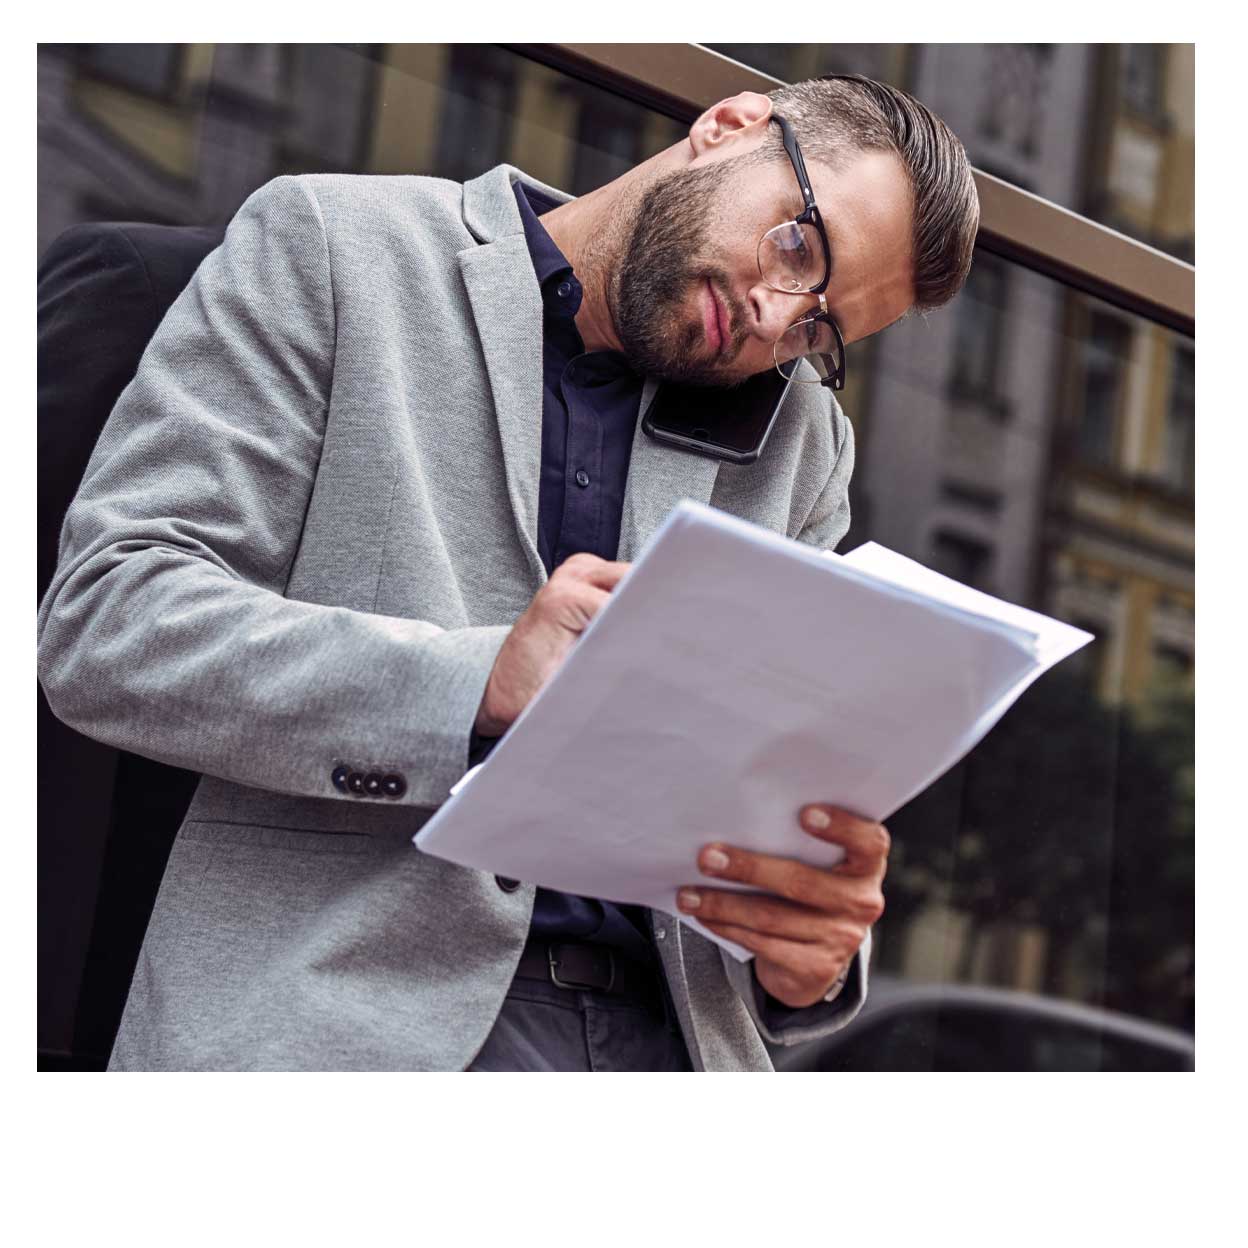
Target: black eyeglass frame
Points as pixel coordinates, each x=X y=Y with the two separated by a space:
x=810 y=215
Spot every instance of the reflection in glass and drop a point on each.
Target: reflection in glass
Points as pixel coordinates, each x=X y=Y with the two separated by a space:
x=1178 y=465
x=1104 y=370
x=1107 y=130
x=1025 y=867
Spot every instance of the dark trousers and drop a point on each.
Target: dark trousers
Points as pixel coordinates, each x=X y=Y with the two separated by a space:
x=545 y=1027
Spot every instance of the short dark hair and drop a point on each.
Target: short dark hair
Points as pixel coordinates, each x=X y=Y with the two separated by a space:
x=842 y=114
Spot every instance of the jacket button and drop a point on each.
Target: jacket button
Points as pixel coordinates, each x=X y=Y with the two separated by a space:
x=393 y=785
x=507 y=884
x=372 y=784
x=355 y=782
x=339 y=778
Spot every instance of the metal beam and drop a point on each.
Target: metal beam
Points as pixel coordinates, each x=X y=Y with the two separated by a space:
x=682 y=79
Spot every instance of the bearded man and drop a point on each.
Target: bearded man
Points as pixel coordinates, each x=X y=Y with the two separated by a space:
x=380 y=465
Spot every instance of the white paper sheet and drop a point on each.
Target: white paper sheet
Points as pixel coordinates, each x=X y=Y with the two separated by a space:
x=732 y=677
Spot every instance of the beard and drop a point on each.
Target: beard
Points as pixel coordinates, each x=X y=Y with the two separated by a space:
x=658 y=270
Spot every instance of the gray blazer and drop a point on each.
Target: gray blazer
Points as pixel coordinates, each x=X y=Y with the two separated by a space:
x=302 y=537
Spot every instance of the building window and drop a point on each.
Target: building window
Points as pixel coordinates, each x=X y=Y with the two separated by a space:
x=1141 y=74
x=978 y=337
x=1178 y=467
x=1104 y=376
x=477 y=114
x=986 y=501
x=966 y=559
x=1013 y=103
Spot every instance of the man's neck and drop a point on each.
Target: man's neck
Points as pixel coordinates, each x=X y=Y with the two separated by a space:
x=592 y=232
x=582 y=230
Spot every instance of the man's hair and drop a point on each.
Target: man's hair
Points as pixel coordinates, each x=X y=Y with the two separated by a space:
x=837 y=116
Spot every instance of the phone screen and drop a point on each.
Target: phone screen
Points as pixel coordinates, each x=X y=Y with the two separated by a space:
x=736 y=420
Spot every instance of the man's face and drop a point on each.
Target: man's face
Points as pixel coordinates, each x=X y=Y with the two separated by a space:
x=687 y=299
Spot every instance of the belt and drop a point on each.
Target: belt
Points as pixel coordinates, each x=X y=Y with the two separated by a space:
x=598 y=968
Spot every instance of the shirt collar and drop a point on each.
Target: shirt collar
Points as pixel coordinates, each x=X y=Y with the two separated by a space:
x=548 y=260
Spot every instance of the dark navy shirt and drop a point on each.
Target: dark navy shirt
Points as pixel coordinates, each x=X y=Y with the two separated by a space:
x=590 y=403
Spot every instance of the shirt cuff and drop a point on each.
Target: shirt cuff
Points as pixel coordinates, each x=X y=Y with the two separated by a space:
x=781 y=1024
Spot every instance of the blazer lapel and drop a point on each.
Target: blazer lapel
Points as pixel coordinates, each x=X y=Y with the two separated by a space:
x=659 y=477
x=507 y=306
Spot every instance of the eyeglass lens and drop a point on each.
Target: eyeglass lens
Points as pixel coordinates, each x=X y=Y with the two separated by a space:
x=814 y=341
x=790 y=257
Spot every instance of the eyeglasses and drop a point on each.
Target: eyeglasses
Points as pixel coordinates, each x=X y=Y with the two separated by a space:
x=794 y=257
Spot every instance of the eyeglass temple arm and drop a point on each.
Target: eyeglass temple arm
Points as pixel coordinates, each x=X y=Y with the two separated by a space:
x=795 y=155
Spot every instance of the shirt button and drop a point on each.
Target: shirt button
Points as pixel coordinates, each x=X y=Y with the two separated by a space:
x=564 y=289
x=661 y=933
x=582 y=477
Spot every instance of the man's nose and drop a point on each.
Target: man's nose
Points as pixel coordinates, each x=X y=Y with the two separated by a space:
x=772 y=311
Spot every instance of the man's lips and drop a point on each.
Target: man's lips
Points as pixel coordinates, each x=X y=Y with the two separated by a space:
x=715 y=320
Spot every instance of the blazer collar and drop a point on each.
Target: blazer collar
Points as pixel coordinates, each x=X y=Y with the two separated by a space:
x=507 y=306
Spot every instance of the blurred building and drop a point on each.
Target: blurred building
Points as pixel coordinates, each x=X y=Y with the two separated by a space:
x=1120 y=525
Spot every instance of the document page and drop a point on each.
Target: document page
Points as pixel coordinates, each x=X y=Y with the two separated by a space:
x=733 y=676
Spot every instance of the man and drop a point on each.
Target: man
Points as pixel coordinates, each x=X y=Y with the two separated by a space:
x=378 y=469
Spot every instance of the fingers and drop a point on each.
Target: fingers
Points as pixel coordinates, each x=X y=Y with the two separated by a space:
x=858 y=898
x=774 y=948
x=590 y=599
x=764 y=915
x=866 y=843
x=603 y=573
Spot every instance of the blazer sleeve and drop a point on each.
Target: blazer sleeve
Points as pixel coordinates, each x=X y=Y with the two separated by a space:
x=777 y=1023
x=828 y=521
x=165 y=630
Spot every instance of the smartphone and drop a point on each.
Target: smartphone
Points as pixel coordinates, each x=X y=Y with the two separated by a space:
x=732 y=424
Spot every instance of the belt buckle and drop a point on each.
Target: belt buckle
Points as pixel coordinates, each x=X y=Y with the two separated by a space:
x=553 y=962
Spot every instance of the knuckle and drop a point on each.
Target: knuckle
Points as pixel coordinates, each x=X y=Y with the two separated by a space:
x=791 y=883
x=881 y=842
x=868 y=906
x=557 y=592
x=830 y=963
x=849 y=939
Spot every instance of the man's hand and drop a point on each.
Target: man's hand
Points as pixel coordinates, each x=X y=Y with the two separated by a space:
x=805 y=934
x=542 y=637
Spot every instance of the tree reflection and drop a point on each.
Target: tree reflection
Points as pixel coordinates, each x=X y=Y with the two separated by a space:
x=1071 y=821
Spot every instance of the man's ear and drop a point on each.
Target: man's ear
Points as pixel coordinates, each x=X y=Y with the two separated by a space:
x=727 y=123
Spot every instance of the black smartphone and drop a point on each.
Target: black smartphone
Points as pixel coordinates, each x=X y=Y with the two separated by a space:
x=729 y=424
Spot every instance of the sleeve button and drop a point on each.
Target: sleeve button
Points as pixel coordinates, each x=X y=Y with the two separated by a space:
x=393 y=785
x=372 y=784
x=355 y=782
x=339 y=778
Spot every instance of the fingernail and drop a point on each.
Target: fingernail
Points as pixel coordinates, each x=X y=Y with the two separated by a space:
x=714 y=860
x=688 y=899
x=819 y=819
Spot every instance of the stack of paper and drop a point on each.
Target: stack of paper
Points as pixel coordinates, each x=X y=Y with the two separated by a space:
x=733 y=677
